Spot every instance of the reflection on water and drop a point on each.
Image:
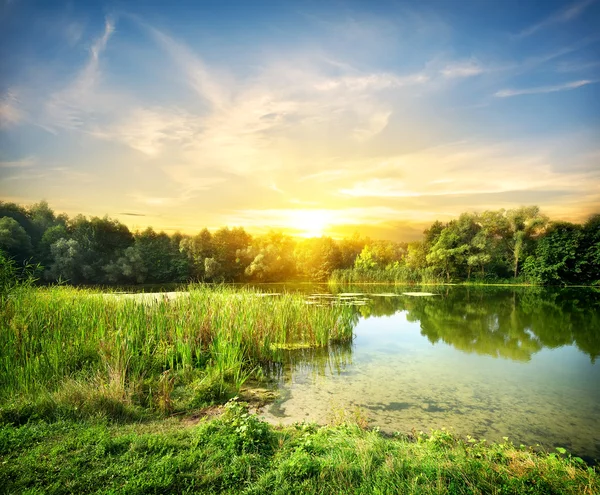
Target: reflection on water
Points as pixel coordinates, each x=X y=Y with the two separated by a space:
x=490 y=362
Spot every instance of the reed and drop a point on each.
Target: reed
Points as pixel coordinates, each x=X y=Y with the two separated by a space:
x=121 y=346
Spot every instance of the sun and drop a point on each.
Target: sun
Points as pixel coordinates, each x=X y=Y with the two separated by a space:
x=309 y=223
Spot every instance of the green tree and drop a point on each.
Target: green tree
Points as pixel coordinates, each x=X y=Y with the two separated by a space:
x=350 y=248
x=366 y=260
x=14 y=240
x=229 y=248
x=447 y=253
x=101 y=241
x=197 y=249
x=515 y=229
x=591 y=250
x=67 y=258
x=272 y=258
x=317 y=257
x=558 y=257
x=480 y=252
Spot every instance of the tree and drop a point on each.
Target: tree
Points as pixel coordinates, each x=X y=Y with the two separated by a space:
x=197 y=249
x=453 y=246
x=366 y=260
x=448 y=252
x=272 y=258
x=416 y=257
x=590 y=246
x=515 y=229
x=51 y=235
x=317 y=257
x=66 y=261
x=156 y=258
x=14 y=240
x=479 y=252
x=229 y=247
x=558 y=257
x=42 y=217
x=101 y=242
x=524 y=223
x=350 y=248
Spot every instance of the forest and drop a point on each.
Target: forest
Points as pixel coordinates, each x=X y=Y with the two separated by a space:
x=520 y=245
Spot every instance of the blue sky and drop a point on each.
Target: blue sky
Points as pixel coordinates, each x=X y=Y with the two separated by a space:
x=314 y=117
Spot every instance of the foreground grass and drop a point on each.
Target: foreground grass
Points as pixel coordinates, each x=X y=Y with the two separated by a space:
x=74 y=353
x=237 y=453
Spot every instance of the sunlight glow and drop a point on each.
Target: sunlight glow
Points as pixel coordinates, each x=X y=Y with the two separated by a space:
x=309 y=223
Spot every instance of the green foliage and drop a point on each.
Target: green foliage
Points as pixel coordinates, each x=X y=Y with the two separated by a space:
x=317 y=258
x=82 y=348
x=238 y=453
x=558 y=257
x=272 y=258
x=490 y=247
x=14 y=277
x=13 y=239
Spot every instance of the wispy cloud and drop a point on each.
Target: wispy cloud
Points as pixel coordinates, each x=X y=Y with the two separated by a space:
x=467 y=68
x=10 y=111
x=71 y=107
x=22 y=163
x=508 y=169
x=566 y=14
x=505 y=93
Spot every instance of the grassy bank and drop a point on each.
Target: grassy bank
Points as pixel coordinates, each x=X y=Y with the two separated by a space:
x=237 y=453
x=73 y=353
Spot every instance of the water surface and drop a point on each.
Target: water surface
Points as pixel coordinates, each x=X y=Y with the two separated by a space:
x=488 y=362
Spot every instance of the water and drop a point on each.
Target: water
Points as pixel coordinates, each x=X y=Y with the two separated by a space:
x=522 y=363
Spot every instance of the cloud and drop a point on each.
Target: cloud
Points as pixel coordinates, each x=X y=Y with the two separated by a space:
x=467 y=68
x=564 y=15
x=455 y=171
x=198 y=75
x=382 y=188
x=22 y=163
x=10 y=111
x=149 y=130
x=72 y=107
x=505 y=93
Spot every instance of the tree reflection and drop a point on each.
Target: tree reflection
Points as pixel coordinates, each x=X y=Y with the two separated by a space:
x=512 y=323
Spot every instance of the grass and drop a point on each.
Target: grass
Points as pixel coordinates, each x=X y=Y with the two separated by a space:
x=238 y=453
x=66 y=352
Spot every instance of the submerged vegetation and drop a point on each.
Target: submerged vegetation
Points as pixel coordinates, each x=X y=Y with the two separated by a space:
x=520 y=245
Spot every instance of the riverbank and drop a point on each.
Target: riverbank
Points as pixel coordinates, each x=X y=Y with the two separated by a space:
x=237 y=453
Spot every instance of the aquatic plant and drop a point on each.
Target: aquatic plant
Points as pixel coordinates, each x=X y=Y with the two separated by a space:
x=141 y=350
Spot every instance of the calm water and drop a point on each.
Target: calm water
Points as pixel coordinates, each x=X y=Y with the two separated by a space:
x=522 y=363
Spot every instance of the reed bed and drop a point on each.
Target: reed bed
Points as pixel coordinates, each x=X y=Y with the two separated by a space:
x=74 y=344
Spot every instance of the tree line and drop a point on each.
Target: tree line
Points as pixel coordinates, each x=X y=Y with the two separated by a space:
x=518 y=244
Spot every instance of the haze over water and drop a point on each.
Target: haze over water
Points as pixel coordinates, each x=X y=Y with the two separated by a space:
x=490 y=363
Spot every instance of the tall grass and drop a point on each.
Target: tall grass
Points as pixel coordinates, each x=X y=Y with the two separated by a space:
x=138 y=350
x=392 y=275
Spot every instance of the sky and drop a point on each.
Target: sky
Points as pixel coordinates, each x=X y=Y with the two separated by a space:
x=311 y=117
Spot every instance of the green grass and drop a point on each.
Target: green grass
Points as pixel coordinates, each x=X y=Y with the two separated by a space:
x=237 y=453
x=75 y=353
